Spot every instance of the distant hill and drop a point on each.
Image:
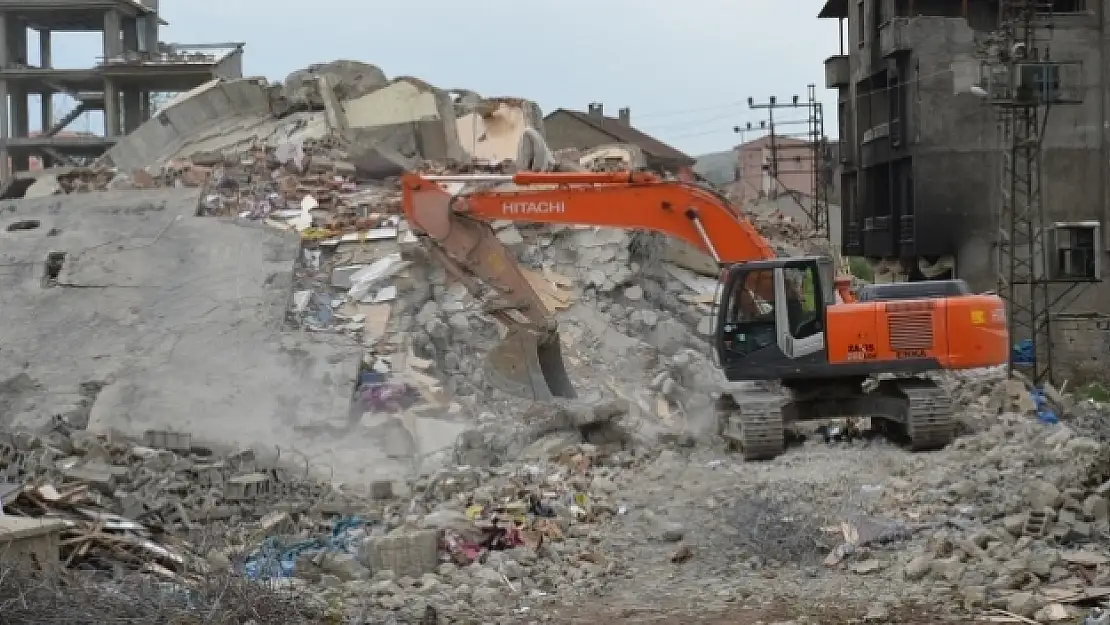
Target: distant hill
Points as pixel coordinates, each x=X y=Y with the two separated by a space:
x=717 y=167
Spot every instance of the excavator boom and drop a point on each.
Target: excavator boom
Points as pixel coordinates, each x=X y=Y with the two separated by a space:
x=455 y=212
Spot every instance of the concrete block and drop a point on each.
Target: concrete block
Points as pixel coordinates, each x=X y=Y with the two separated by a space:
x=248 y=487
x=1038 y=522
x=174 y=441
x=381 y=490
x=383 y=152
x=98 y=477
x=408 y=553
x=406 y=103
x=31 y=543
x=208 y=475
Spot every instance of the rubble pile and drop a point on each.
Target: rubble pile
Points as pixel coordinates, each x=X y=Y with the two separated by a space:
x=115 y=494
x=505 y=508
x=1014 y=519
x=460 y=539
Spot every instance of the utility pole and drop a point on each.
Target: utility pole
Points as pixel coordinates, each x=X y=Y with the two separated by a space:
x=818 y=212
x=1023 y=84
x=816 y=125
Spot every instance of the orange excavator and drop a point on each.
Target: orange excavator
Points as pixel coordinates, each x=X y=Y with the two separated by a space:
x=787 y=321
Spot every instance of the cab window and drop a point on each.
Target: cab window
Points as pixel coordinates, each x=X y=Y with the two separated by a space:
x=802 y=301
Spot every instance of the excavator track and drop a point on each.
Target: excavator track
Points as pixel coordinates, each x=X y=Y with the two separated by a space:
x=754 y=425
x=930 y=423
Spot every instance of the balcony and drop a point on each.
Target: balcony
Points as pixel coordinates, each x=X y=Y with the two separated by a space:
x=894 y=37
x=875 y=146
x=838 y=72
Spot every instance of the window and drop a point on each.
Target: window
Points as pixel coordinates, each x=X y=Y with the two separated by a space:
x=748 y=301
x=1075 y=251
x=1063 y=6
x=1039 y=82
x=861 y=23
x=802 y=301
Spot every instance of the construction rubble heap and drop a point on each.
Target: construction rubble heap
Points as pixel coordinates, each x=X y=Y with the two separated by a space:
x=502 y=510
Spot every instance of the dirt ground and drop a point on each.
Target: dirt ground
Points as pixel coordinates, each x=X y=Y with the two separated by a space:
x=778 y=613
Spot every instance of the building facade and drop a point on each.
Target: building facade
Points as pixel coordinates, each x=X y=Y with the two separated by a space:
x=921 y=154
x=795 y=168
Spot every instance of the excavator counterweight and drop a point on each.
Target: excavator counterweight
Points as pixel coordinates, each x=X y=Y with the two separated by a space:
x=785 y=319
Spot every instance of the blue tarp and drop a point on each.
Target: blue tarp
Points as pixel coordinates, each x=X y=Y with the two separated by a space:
x=1044 y=413
x=1023 y=353
x=275 y=558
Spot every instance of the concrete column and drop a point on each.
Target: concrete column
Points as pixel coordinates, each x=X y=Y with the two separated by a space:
x=46 y=60
x=130 y=35
x=11 y=41
x=144 y=106
x=111 y=110
x=132 y=115
x=5 y=169
x=150 y=28
x=46 y=52
x=4 y=43
x=21 y=125
x=113 y=37
x=20 y=44
x=21 y=112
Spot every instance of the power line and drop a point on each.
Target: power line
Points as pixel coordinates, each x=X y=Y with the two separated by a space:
x=818 y=211
x=856 y=98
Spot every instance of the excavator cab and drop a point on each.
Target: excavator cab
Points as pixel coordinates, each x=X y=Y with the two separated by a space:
x=771 y=320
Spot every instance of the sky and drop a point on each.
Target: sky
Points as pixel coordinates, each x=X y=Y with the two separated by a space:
x=685 y=69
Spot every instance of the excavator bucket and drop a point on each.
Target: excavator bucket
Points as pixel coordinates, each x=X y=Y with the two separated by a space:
x=527 y=365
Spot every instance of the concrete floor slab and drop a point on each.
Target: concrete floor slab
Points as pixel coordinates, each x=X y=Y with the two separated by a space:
x=158 y=319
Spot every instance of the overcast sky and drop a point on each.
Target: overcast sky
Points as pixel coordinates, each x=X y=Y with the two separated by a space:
x=686 y=69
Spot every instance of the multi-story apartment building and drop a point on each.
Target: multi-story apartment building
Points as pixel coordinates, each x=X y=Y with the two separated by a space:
x=920 y=151
x=921 y=155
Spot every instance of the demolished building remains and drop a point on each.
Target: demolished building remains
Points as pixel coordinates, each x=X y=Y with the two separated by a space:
x=228 y=359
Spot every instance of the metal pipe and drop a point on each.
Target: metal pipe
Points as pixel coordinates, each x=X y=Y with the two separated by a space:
x=704 y=235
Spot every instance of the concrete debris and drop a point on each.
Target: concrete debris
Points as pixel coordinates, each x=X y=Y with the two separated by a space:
x=353 y=79
x=120 y=499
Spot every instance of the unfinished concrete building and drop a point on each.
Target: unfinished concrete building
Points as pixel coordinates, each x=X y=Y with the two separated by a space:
x=134 y=64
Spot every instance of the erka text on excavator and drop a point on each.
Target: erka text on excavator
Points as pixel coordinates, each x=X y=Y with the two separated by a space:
x=788 y=320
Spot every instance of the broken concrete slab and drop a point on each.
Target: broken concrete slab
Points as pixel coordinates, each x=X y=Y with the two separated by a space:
x=227 y=103
x=492 y=130
x=178 y=317
x=383 y=152
x=409 y=103
x=337 y=118
x=349 y=79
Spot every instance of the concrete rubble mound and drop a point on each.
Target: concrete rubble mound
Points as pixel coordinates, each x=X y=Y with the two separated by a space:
x=352 y=79
x=474 y=506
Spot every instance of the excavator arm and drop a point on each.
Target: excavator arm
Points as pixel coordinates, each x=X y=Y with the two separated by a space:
x=454 y=213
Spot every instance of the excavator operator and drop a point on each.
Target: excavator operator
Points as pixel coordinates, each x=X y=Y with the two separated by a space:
x=801 y=304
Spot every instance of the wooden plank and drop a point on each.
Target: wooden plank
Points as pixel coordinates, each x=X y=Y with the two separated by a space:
x=377 y=318
x=554 y=298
